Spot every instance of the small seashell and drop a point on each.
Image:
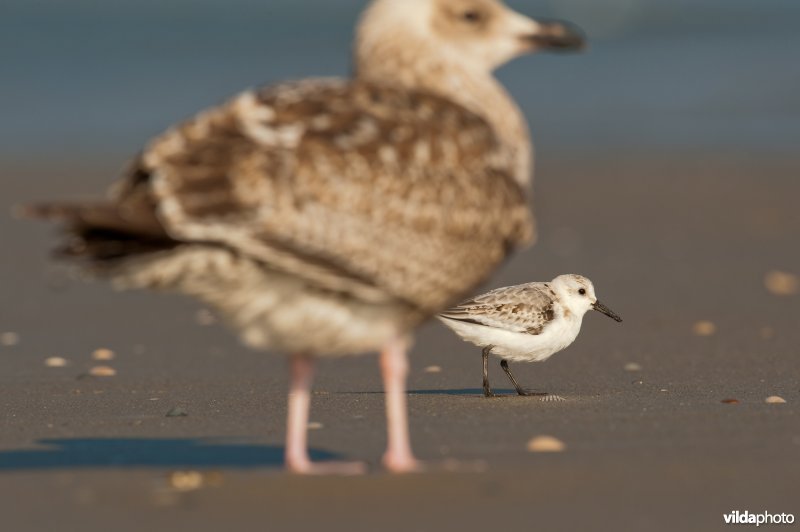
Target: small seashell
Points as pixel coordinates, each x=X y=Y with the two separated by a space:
x=186 y=480
x=9 y=339
x=546 y=444
x=775 y=400
x=731 y=401
x=782 y=283
x=55 y=362
x=433 y=369
x=315 y=425
x=103 y=354
x=177 y=412
x=704 y=328
x=102 y=371
x=633 y=366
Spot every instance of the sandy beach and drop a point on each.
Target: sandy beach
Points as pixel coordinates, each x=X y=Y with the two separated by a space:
x=667 y=172
x=670 y=239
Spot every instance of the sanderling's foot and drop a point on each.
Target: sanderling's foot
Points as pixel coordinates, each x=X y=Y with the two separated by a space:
x=487 y=390
x=306 y=467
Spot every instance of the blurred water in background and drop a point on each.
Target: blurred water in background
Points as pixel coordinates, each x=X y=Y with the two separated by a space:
x=101 y=76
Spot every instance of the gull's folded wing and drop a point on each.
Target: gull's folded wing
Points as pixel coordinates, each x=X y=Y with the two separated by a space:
x=352 y=187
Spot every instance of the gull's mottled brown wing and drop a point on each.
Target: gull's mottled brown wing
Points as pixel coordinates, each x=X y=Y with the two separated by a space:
x=353 y=187
x=524 y=308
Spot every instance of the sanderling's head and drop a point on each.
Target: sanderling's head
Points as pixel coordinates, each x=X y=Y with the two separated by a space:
x=481 y=34
x=577 y=294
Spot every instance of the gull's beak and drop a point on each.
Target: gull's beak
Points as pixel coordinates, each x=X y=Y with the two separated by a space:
x=599 y=307
x=556 y=36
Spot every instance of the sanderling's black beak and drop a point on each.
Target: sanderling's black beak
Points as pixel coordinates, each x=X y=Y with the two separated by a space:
x=557 y=36
x=599 y=307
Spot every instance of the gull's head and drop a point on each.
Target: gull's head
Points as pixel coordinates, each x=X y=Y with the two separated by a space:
x=577 y=294
x=481 y=34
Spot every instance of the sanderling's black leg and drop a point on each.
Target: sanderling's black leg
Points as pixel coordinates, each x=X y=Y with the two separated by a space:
x=487 y=390
x=520 y=390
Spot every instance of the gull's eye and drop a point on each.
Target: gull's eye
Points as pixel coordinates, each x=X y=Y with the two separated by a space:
x=472 y=16
x=582 y=291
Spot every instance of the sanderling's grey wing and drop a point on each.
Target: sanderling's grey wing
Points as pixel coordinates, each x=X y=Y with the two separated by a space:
x=353 y=187
x=524 y=308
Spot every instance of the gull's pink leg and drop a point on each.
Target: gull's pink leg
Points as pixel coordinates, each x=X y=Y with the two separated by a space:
x=297 y=459
x=394 y=365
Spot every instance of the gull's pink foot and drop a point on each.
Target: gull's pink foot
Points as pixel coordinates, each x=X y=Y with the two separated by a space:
x=398 y=463
x=398 y=457
x=296 y=454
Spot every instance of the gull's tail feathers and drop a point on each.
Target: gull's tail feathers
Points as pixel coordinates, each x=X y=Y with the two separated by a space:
x=101 y=232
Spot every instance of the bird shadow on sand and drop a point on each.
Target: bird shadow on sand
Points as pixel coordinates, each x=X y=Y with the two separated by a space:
x=477 y=392
x=464 y=392
x=100 y=453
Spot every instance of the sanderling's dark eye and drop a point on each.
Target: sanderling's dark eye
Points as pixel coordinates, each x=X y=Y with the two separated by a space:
x=472 y=16
x=582 y=291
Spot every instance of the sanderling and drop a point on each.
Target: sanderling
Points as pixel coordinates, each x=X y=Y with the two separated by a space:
x=290 y=209
x=525 y=323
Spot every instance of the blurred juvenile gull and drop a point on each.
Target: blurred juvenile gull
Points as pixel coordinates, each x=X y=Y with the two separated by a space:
x=525 y=323
x=329 y=217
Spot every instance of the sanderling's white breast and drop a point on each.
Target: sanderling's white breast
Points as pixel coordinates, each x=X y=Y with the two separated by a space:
x=525 y=323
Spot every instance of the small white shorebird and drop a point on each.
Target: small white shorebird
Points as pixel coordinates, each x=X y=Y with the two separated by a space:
x=291 y=208
x=525 y=323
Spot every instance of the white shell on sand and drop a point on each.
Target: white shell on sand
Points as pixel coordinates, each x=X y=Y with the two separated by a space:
x=704 y=328
x=782 y=283
x=102 y=371
x=9 y=339
x=103 y=354
x=55 y=362
x=186 y=480
x=546 y=444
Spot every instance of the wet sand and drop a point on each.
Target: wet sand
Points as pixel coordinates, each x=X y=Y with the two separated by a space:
x=669 y=240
